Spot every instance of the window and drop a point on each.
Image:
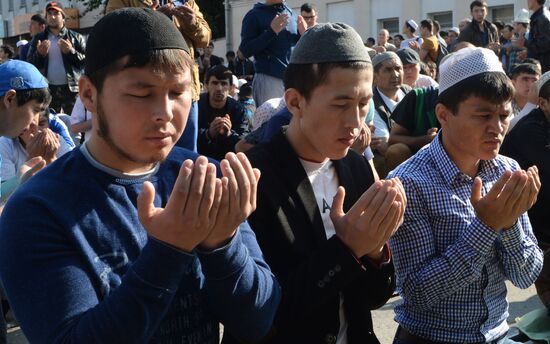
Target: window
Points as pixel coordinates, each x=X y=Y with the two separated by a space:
x=445 y=19
x=390 y=24
x=35 y=2
x=23 y=4
x=10 y=5
x=504 y=14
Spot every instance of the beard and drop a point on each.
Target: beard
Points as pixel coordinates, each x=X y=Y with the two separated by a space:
x=103 y=131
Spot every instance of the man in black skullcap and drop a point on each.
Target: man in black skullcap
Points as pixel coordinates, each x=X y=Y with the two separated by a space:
x=130 y=239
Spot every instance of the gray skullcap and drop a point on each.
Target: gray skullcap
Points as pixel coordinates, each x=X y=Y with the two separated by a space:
x=388 y=55
x=329 y=42
x=542 y=81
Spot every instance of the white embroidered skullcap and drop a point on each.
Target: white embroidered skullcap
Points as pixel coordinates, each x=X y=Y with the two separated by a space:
x=465 y=63
x=542 y=81
x=522 y=17
x=455 y=30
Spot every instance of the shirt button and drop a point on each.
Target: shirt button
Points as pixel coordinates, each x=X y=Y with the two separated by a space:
x=331 y=273
x=321 y=284
x=337 y=268
x=330 y=339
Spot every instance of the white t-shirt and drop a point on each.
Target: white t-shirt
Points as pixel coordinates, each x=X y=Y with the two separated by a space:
x=405 y=43
x=324 y=181
x=80 y=114
x=14 y=155
x=381 y=128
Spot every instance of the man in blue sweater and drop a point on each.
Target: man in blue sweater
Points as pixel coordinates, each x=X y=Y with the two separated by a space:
x=269 y=31
x=128 y=239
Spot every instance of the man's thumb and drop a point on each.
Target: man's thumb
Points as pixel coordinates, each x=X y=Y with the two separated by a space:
x=476 y=191
x=337 y=209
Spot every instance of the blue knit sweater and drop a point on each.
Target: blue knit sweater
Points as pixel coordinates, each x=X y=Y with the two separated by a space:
x=78 y=267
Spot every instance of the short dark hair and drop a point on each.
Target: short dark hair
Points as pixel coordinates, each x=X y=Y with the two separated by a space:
x=8 y=50
x=399 y=36
x=230 y=53
x=39 y=19
x=221 y=72
x=524 y=68
x=245 y=91
x=371 y=39
x=499 y=24
x=541 y=2
x=307 y=7
x=410 y=27
x=305 y=78
x=427 y=23
x=172 y=60
x=509 y=27
x=478 y=3
x=494 y=87
x=41 y=95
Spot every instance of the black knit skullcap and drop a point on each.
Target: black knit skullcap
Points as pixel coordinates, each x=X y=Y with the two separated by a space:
x=129 y=31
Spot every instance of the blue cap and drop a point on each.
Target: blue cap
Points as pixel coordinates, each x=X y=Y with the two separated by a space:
x=19 y=76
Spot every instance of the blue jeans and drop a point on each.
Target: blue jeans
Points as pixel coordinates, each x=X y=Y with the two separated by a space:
x=189 y=137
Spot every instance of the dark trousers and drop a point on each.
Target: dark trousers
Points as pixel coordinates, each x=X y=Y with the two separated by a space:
x=62 y=98
x=543 y=281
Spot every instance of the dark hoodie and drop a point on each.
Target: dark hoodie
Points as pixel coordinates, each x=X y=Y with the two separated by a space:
x=271 y=51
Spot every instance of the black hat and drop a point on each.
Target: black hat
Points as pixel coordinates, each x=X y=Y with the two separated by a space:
x=408 y=56
x=129 y=31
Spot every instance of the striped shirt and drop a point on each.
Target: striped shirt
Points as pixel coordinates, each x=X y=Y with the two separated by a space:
x=451 y=267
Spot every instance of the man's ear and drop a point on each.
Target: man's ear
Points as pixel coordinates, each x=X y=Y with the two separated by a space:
x=9 y=99
x=295 y=102
x=442 y=113
x=88 y=93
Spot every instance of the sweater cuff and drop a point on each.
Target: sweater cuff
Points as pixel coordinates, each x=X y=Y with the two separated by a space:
x=162 y=265
x=224 y=261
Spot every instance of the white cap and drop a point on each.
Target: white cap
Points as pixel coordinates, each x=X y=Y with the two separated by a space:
x=542 y=81
x=522 y=17
x=413 y=24
x=455 y=30
x=465 y=63
x=21 y=43
x=234 y=80
x=242 y=82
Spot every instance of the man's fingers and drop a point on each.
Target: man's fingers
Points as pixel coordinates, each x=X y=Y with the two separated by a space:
x=252 y=179
x=209 y=192
x=214 y=210
x=513 y=190
x=232 y=185
x=31 y=167
x=364 y=201
x=196 y=191
x=498 y=187
x=178 y=198
x=145 y=205
x=243 y=183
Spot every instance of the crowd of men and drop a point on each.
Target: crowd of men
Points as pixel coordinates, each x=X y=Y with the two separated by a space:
x=154 y=190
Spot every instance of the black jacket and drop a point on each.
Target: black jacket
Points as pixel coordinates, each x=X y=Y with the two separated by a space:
x=538 y=44
x=472 y=34
x=312 y=270
x=216 y=148
x=73 y=63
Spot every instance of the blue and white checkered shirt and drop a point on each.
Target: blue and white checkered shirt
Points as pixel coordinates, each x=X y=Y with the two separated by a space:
x=451 y=267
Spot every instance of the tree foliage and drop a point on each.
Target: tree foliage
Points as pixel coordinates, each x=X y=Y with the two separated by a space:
x=213 y=10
